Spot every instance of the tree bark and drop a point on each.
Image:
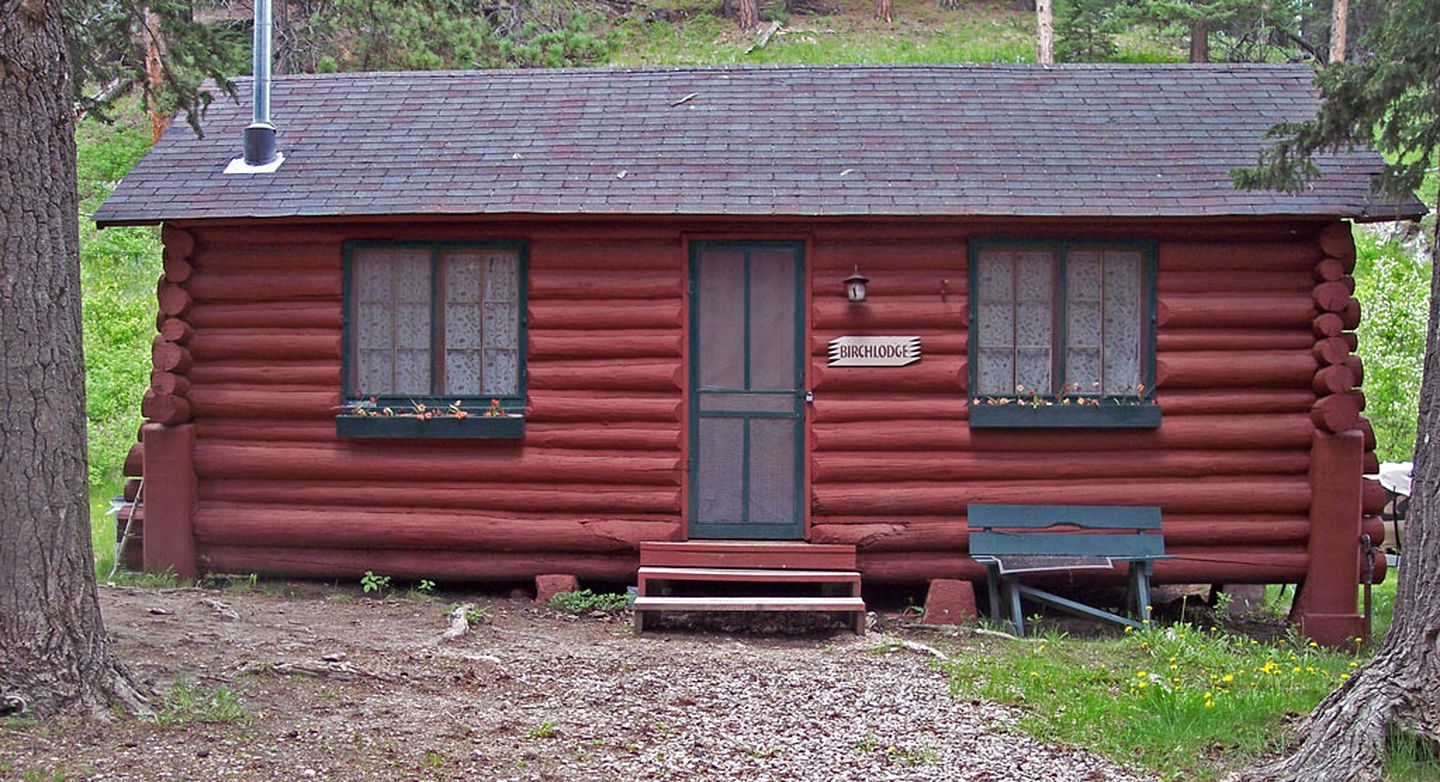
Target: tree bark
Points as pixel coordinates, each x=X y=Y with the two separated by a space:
x=1044 y=32
x=884 y=9
x=748 y=13
x=1199 y=42
x=1343 y=740
x=54 y=654
x=1340 y=15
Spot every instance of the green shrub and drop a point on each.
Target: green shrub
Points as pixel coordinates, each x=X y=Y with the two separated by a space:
x=584 y=601
x=1392 y=283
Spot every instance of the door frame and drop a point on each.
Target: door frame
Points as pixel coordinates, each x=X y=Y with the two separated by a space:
x=801 y=247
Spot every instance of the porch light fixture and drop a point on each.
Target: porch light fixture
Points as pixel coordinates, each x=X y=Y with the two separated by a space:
x=855 y=287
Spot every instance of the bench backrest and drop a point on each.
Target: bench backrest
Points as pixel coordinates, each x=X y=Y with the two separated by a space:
x=1111 y=522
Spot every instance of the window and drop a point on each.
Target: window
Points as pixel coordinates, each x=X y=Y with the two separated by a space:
x=434 y=324
x=1070 y=322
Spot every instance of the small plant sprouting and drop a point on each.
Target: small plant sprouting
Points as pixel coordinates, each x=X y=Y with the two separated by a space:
x=186 y=704
x=425 y=587
x=373 y=583
x=545 y=730
x=431 y=759
x=583 y=601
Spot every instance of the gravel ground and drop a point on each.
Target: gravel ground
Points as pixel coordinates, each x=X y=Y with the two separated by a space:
x=531 y=695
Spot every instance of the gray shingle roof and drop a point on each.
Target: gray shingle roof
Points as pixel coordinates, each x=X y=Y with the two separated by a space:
x=960 y=140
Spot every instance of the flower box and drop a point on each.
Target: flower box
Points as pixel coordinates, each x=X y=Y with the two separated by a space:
x=1057 y=416
x=473 y=427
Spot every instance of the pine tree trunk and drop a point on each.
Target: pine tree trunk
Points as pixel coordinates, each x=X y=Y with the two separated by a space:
x=54 y=654
x=1339 y=17
x=1199 y=42
x=749 y=15
x=1343 y=740
x=884 y=9
x=1044 y=33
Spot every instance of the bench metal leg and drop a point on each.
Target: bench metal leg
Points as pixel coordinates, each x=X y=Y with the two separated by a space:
x=1142 y=589
x=1012 y=602
x=992 y=581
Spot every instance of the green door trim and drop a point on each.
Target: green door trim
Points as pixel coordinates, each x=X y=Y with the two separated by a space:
x=744 y=530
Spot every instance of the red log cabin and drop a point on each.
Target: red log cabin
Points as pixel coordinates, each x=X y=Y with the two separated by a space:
x=614 y=293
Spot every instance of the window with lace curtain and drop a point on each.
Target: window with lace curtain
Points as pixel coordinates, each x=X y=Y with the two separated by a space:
x=1063 y=322
x=435 y=323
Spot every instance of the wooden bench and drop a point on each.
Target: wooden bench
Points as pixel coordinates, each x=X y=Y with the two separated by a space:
x=1011 y=540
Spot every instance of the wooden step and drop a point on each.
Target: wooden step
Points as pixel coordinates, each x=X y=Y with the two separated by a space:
x=850 y=605
x=764 y=555
x=750 y=575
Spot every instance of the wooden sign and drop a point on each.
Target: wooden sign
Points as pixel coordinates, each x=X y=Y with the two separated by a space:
x=874 y=351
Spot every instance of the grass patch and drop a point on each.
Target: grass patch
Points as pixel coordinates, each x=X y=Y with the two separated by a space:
x=583 y=601
x=1181 y=702
x=186 y=704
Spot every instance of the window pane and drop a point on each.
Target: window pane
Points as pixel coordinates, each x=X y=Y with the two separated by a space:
x=997 y=324
x=500 y=360
x=995 y=371
x=1082 y=370
x=1122 y=322
x=391 y=316
x=1032 y=370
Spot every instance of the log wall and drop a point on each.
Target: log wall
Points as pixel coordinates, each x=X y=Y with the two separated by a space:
x=1254 y=356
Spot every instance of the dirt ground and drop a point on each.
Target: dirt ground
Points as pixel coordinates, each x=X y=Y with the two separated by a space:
x=331 y=686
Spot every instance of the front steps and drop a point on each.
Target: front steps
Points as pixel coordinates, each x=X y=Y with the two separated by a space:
x=748 y=576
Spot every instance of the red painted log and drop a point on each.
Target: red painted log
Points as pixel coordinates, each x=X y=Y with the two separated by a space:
x=177 y=270
x=1336 y=241
x=933 y=533
x=1214 y=495
x=1234 y=369
x=606 y=375
x=1249 y=281
x=169 y=357
x=1247 y=311
x=134 y=466
x=131 y=491
x=268 y=431
x=174 y=300
x=1182 y=340
x=598 y=407
x=603 y=314
x=176 y=330
x=1348 y=282
x=1372 y=498
x=267 y=344
x=855 y=467
x=1267 y=431
x=1372 y=463
x=1368 y=431
x=569 y=344
x=1331 y=350
x=606 y=284
x=323 y=374
x=421 y=498
x=913 y=312
x=164 y=408
x=278 y=314
x=1328 y=324
x=1281 y=564
x=630 y=437
x=1237 y=256
x=569 y=254
x=878 y=259
x=178 y=242
x=266 y=285
x=1331 y=296
x=1329 y=270
x=424 y=462
x=1357 y=368
x=411 y=564
x=1350 y=316
x=940 y=284
x=303 y=253
x=851 y=407
x=1177 y=402
x=941 y=374
x=169 y=383
x=270 y=402
x=170 y=500
x=1334 y=379
x=1337 y=412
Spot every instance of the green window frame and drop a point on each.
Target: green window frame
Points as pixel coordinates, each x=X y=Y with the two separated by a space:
x=1062 y=404
x=369 y=404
